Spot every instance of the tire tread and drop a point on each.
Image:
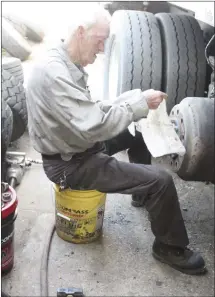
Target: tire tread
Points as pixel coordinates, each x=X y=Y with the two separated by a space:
x=13 y=94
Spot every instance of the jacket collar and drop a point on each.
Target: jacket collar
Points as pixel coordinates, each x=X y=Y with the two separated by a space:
x=77 y=72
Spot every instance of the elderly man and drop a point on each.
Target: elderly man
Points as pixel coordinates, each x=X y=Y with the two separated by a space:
x=77 y=136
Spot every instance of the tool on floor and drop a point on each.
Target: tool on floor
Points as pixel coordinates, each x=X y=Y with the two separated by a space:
x=16 y=166
x=74 y=292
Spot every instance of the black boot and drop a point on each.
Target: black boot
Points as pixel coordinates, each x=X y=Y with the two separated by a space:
x=137 y=200
x=184 y=260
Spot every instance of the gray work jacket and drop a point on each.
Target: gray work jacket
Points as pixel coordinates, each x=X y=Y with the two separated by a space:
x=62 y=117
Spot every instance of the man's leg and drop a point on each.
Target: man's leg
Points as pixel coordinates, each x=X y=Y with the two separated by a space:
x=119 y=143
x=106 y=174
x=137 y=153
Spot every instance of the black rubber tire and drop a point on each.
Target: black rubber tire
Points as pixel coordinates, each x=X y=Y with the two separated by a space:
x=4 y=53
x=13 y=42
x=34 y=32
x=17 y=23
x=184 y=64
x=25 y=27
x=6 y=126
x=14 y=66
x=137 y=38
x=14 y=94
x=196 y=125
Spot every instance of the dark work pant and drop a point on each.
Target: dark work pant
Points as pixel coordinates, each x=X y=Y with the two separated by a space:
x=137 y=149
x=104 y=173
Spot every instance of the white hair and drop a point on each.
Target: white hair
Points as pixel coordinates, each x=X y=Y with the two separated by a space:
x=87 y=15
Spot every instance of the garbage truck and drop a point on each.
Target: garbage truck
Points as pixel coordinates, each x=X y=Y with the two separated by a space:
x=168 y=46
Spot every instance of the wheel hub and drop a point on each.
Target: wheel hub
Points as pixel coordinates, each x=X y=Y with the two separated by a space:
x=176 y=117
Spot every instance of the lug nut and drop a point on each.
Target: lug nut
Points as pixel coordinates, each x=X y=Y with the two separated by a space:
x=174 y=156
x=6 y=197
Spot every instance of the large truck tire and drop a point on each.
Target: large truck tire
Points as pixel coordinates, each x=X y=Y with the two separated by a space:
x=133 y=56
x=34 y=32
x=14 y=94
x=25 y=27
x=134 y=46
x=184 y=64
x=14 y=66
x=194 y=120
x=6 y=126
x=13 y=42
x=4 y=53
x=16 y=22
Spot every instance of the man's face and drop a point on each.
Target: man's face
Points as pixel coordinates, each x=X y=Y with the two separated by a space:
x=92 y=42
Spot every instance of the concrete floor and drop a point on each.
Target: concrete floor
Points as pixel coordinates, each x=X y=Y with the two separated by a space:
x=120 y=263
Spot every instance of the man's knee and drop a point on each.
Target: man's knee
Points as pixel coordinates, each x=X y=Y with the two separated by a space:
x=164 y=177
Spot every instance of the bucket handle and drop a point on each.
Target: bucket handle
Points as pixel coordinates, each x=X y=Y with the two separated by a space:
x=63 y=216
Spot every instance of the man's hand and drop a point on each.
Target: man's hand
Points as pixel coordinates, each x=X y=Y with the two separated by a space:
x=154 y=98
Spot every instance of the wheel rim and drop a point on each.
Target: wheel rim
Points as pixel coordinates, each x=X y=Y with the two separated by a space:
x=175 y=161
x=176 y=116
x=197 y=135
x=113 y=73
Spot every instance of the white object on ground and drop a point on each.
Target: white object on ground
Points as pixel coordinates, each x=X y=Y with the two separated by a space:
x=159 y=134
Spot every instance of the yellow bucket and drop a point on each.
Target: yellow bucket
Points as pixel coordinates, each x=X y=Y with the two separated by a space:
x=79 y=214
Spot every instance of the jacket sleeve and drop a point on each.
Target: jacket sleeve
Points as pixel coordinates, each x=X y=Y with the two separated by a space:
x=135 y=101
x=91 y=120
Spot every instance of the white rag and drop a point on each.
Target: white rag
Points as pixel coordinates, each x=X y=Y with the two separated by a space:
x=159 y=134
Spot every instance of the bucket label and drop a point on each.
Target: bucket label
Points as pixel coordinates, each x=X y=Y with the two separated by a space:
x=7 y=252
x=72 y=212
x=77 y=228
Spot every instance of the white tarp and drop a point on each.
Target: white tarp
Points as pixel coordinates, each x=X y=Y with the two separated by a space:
x=159 y=133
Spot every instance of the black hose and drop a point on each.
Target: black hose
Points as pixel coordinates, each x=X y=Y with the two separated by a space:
x=44 y=263
x=44 y=259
